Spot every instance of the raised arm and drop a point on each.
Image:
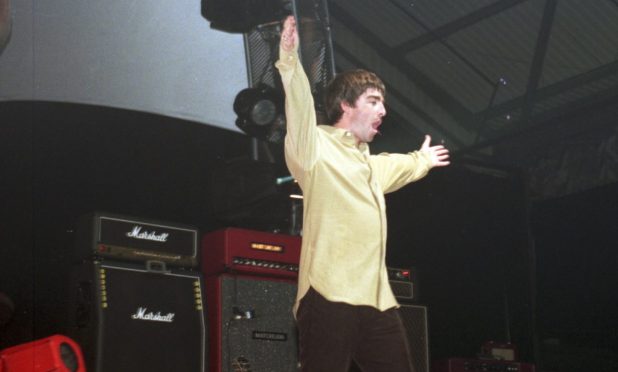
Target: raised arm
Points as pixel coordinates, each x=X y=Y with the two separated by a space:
x=5 y=23
x=300 y=141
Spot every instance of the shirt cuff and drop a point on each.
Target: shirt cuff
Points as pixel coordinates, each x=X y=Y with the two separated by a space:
x=423 y=157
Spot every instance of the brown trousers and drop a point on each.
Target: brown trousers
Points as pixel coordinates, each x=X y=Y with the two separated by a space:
x=332 y=334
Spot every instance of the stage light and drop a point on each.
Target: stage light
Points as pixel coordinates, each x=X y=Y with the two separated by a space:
x=260 y=113
x=241 y=16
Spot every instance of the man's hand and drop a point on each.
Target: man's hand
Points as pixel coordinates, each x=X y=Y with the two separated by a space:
x=289 y=34
x=438 y=154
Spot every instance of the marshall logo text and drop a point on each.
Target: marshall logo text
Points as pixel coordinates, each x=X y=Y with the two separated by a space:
x=137 y=233
x=141 y=314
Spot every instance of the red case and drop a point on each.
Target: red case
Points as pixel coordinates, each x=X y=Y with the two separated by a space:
x=251 y=252
x=44 y=355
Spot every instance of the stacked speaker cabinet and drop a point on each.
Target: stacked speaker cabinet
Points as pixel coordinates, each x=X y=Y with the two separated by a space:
x=414 y=319
x=404 y=283
x=252 y=327
x=129 y=315
x=250 y=280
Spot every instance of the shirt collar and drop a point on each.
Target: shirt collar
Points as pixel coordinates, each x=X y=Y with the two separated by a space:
x=346 y=137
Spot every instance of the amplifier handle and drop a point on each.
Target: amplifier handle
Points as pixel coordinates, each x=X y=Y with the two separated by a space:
x=156 y=266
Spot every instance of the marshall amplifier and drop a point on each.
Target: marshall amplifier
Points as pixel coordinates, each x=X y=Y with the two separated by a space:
x=404 y=284
x=122 y=238
x=252 y=252
x=252 y=327
x=466 y=365
x=129 y=319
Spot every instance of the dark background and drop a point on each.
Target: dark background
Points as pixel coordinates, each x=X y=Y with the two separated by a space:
x=492 y=263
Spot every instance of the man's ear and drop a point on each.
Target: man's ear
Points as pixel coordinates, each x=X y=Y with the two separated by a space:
x=345 y=107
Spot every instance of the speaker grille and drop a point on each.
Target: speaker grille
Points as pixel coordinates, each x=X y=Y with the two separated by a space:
x=170 y=343
x=262 y=48
x=415 y=321
x=258 y=328
x=138 y=320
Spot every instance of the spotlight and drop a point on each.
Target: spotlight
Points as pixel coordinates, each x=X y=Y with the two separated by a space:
x=241 y=16
x=260 y=113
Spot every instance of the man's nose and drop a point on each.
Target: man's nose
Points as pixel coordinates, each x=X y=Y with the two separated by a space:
x=382 y=111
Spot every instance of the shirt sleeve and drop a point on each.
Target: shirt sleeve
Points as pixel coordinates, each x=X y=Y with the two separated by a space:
x=301 y=127
x=393 y=171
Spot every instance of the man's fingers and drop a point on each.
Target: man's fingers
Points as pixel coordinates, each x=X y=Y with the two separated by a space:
x=289 y=25
x=288 y=34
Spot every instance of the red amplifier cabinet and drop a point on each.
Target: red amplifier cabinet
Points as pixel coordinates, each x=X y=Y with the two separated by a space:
x=248 y=251
x=52 y=354
x=467 y=365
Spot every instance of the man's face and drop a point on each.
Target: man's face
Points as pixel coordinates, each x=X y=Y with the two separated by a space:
x=366 y=115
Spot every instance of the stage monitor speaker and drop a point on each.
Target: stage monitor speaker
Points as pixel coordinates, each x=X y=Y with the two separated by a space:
x=56 y=353
x=132 y=318
x=252 y=327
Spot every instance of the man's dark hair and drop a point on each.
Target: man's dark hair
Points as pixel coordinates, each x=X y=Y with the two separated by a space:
x=346 y=87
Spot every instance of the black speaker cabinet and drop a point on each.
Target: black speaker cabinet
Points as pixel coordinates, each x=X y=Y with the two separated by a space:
x=130 y=318
x=252 y=327
x=415 y=321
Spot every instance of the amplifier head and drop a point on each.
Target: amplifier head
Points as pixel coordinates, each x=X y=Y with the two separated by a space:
x=404 y=284
x=251 y=252
x=124 y=238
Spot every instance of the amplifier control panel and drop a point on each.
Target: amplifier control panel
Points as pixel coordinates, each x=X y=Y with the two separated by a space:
x=246 y=261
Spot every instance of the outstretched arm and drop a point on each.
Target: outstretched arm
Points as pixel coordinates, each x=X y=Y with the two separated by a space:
x=438 y=155
x=397 y=170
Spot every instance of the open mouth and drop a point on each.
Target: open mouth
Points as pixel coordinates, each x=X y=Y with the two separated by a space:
x=376 y=125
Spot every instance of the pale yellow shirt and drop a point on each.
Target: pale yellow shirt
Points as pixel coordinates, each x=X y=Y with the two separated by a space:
x=344 y=217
